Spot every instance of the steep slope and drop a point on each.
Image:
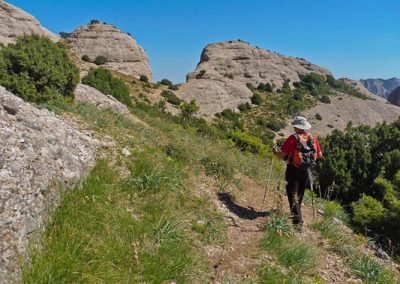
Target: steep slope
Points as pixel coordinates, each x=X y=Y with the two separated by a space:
x=220 y=78
x=394 y=96
x=122 y=52
x=15 y=22
x=381 y=87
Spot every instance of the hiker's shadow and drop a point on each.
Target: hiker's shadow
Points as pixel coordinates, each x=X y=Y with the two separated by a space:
x=242 y=212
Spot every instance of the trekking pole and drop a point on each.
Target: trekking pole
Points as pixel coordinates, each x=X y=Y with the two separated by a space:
x=310 y=179
x=266 y=187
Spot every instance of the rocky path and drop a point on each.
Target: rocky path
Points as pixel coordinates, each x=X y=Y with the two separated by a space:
x=239 y=260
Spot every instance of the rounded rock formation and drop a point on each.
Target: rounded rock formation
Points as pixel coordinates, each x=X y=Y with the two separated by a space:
x=122 y=52
x=245 y=63
x=15 y=22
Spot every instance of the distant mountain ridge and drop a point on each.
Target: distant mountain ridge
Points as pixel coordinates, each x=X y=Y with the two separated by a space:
x=394 y=96
x=381 y=87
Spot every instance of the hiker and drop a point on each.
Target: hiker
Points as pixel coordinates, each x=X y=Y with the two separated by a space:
x=300 y=151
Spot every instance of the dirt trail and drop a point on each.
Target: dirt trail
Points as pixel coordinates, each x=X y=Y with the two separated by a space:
x=240 y=259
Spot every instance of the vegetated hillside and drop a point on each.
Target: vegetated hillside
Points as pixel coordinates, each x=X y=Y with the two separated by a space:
x=381 y=87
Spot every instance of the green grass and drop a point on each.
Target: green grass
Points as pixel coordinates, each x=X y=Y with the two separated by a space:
x=298 y=257
x=361 y=264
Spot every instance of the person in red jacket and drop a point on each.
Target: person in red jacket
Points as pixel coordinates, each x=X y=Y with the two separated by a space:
x=300 y=150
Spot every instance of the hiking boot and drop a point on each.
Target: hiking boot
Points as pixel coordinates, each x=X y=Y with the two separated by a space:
x=299 y=228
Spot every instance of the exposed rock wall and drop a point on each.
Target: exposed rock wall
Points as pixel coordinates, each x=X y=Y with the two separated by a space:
x=15 y=22
x=121 y=50
x=381 y=87
x=250 y=64
x=394 y=97
x=220 y=78
x=37 y=151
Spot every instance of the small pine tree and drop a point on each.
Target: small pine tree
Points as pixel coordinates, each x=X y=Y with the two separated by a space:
x=100 y=60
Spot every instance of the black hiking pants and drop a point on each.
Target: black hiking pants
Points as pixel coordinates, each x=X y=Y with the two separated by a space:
x=297 y=180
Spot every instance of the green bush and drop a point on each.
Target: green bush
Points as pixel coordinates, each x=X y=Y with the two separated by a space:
x=318 y=116
x=143 y=78
x=230 y=115
x=188 y=109
x=265 y=87
x=103 y=80
x=256 y=99
x=201 y=74
x=86 y=58
x=94 y=21
x=246 y=142
x=275 y=125
x=325 y=99
x=64 y=34
x=173 y=87
x=100 y=60
x=38 y=70
x=171 y=97
x=166 y=82
x=244 y=107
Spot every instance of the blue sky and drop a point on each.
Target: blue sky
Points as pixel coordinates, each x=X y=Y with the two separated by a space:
x=353 y=38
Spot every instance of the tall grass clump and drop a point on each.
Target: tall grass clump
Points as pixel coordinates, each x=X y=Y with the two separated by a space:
x=299 y=257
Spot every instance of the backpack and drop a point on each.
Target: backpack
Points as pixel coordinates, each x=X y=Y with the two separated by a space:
x=305 y=154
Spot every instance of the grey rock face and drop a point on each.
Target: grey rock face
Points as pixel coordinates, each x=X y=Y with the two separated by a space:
x=381 y=87
x=37 y=152
x=121 y=50
x=394 y=97
x=220 y=78
x=250 y=64
x=87 y=94
x=15 y=22
x=214 y=96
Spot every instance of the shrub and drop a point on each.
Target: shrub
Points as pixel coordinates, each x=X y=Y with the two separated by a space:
x=64 y=35
x=275 y=125
x=201 y=74
x=256 y=99
x=244 y=107
x=325 y=99
x=265 y=87
x=103 y=80
x=318 y=116
x=188 y=109
x=246 y=142
x=94 y=21
x=171 y=97
x=166 y=82
x=100 y=60
x=250 y=86
x=143 y=78
x=230 y=115
x=38 y=70
x=173 y=87
x=86 y=58
x=229 y=76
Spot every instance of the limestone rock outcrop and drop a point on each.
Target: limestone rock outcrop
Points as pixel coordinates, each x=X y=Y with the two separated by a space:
x=225 y=68
x=38 y=152
x=122 y=52
x=394 y=96
x=357 y=85
x=249 y=64
x=214 y=96
x=15 y=22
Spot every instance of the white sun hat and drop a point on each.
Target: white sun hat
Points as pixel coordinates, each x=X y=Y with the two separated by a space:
x=301 y=123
